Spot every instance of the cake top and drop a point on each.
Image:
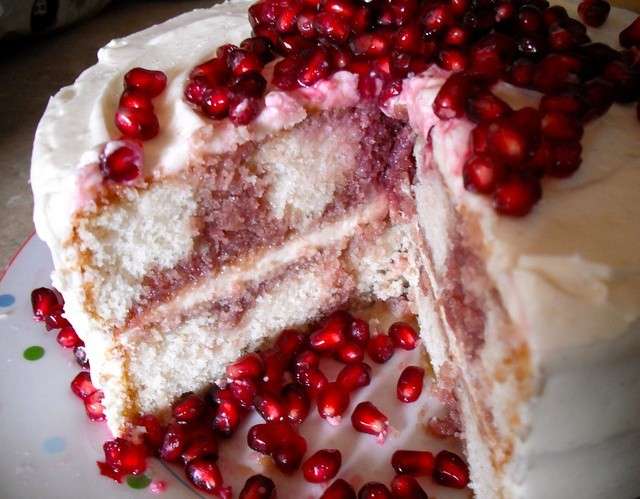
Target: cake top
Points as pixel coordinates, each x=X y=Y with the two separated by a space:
x=580 y=246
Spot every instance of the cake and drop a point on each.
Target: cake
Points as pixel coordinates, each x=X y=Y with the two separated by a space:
x=346 y=188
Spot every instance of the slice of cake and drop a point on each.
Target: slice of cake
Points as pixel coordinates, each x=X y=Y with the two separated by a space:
x=235 y=192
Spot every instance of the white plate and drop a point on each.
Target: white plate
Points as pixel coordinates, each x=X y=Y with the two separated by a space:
x=48 y=448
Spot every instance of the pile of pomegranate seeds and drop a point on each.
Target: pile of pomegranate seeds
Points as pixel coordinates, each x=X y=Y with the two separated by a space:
x=258 y=381
x=524 y=42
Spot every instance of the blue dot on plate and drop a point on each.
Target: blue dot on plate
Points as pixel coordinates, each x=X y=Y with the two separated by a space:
x=54 y=445
x=7 y=300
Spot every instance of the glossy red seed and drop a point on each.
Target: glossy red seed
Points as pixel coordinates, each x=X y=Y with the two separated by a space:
x=135 y=99
x=306 y=360
x=248 y=85
x=305 y=24
x=138 y=124
x=374 y=490
x=258 y=487
x=247 y=366
x=403 y=335
x=174 y=443
x=371 y=44
x=354 y=376
x=288 y=455
x=505 y=12
x=507 y=143
x=290 y=342
x=125 y=456
x=367 y=418
x=390 y=89
x=322 y=466
x=259 y=46
x=262 y=13
x=331 y=334
x=380 y=348
x=408 y=38
x=554 y=15
x=560 y=126
x=437 y=18
x=93 y=406
x=492 y=54
x=265 y=438
x=204 y=475
x=188 y=408
x=517 y=196
x=630 y=36
x=361 y=19
x=456 y=36
x=481 y=174
x=332 y=26
x=450 y=102
x=560 y=39
x=486 y=106
x=228 y=413
x=555 y=72
x=241 y=61
x=340 y=489
x=313 y=380
x=333 y=401
x=529 y=19
x=407 y=487
x=413 y=462
x=568 y=103
x=195 y=90
x=369 y=85
x=55 y=320
x=205 y=445
x=459 y=7
x=316 y=67
x=296 y=403
x=44 y=302
x=213 y=72
x=82 y=386
x=521 y=73
x=567 y=157
x=244 y=390
x=410 y=384
x=625 y=80
x=269 y=406
x=541 y=159
x=121 y=161
x=274 y=366
x=599 y=94
x=479 y=137
x=350 y=353
x=68 y=338
x=147 y=81
x=153 y=431
x=594 y=12
x=450 y=470
x=452 y=59
x=285 y=73
x=243 y=110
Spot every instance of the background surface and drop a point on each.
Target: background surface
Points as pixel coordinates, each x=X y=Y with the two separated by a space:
x=31 y=71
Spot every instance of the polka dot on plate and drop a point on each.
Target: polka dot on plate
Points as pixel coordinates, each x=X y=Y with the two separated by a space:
x=7 y=300
x=54 y=445
x=34 y=352
x=138 y=481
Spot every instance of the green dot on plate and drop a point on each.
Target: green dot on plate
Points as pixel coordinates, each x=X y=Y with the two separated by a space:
x=34 y=352
x=138 y=481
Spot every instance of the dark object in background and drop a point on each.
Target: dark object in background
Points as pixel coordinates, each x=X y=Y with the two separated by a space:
x=25 y=17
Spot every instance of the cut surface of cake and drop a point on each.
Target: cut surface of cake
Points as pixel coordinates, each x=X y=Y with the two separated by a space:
x=326 y=195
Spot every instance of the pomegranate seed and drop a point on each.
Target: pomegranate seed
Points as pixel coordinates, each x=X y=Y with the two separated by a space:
x=293 y=44
x=215 y=102
x=109 y=472
x=121 y=161
x=340 y=58
x=504 y=12
x=368 y=85
x=174 y=443
x=289 y=455
x=264 y=438
x=532 y=46
x=188 y=408
x=241 y=62
x=44 y=302
x=228 y=413
x=213 y=72
x=125 y=457
x=274 y=367
x=407 y=487
x=390 y=89
x=529 y=19
x=139 y=124
x=507 y=143
x=262 y=13
x=296 y=403
x=408 y=38
x=380 y=348
x=554 y=15
x=248 y=85
x=412 y=462
x=630 y=36
x=516 y=196
x=322 y=466
x=248 y=366
x=82 y=385
x=450 y=471
x=342 y=8
x=541 y=160
x=68 y=338
x=366 y=418
x=204 y=446
x=521 y=73
x=459 y=7
x=285 y=73
x=258 y=487
x=195 y=91
x=313 y=380
x=403 y=335
x=331 y=334
x=243 y=110
x=482 y=173
x=485 y=106
x=456 y=36
x=567 y=157
x=147 y=81
x=625 y=80
x=154 y=432
x=354 y=376
x=259 y=46
x=361 y=20
x=479 y=137
x=410 y=384
x=599 y=94
x=224 y=51
x=287 y=16
x=305 y=24
x=350 y=353
x=492 y=54
x=555 y=72
x=80 y=355
x=270 y=407
x=268 y=33
x=332 y=26
x=244 y=391
x=93 y=406
x=340 y=489
x=316 y=67
x=306 y=360
x=371 y=44
x=437 y=18
x=204 y=475
x=527 y=119
x=568 y=103
x=56 y=321
x=135 y=99
x=452 y=59
x=290 y=342
x=560 y=126
x=452 y=97
x=374 y=490
x=333 y=400
x=560 y=39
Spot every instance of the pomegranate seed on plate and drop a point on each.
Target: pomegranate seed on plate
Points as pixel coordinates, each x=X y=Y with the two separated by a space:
x=248 y=366
x=507 y=143
x=340 y=489
x=188 y=408
x=374 y=490
x=244 y=391
x=329 y=337
x=450 y=470
x=594 y=12
x=560 y=126
x=241 y=62
x=403 y=335
x=215 y=102
x=322 y=466
x=154 y=432
x=290 y=342
x=452 y=97
x=332 y=401
x=529 y=19
x=521 y=73
x=413 y=462
x=485 y=106
x=296 y=403
x=410 y=384
x=482 y=173
x=274 y=367
x=568 y=103
x=135 y=99
x=68 y=338
x=259 y=46
x=204 y=475
x=55 y=320
x=407 y=487
x=554 y=15
x=82 y=386
x=517 y=196
x=258 y=487
x=150 y=82
x=452 y=59
x=316 y=67
x=380 y=348
x=269 y=406
x=195 y=91
x=204 y=445
x=44 y=302
x=567 y=157
x=306 y=360
x=332 y=26
x=350 y=353
x=213 y=72
x=366 y=418
x=174 y=443
x=354 y=376
x=125 y=456
x=93 y=406
x=228 y=413
x=313 y=380
x=630 y=36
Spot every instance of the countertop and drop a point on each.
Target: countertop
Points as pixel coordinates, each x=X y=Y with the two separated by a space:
x=34 y=70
